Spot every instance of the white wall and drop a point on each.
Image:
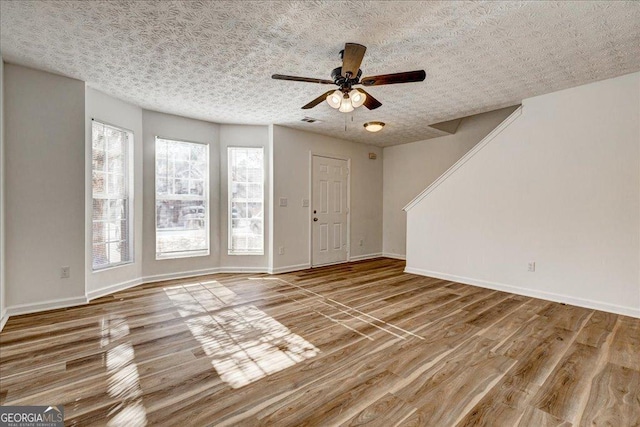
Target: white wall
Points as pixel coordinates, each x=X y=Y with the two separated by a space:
x=107 y=109
x=180 y=128
x=3 y=304
x=44 y=209
x=242 y=136
x=291 y=175
x=410 y=168
x=559 y=186
x=47 y=178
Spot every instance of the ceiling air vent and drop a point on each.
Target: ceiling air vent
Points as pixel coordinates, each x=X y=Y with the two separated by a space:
x=310 y=120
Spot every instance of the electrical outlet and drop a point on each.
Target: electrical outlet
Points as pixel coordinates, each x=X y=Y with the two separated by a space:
x=65 y=272
x=283 y=202
x=531 y=266
x=305 y=203
x=361 y=242
x=281 y=250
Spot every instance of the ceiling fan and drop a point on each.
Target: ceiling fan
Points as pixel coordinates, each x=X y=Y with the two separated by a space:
x=346 y=97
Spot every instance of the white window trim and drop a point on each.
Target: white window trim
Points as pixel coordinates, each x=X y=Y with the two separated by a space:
x=230 y=250
x=128 y=166
x=182 y=254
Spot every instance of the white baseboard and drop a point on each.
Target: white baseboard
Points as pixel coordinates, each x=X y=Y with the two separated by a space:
x=240 y=270
x=288 y=268
x=161 y=277
x=113 y=288
x=550 y=296
x=15 y=310
x=203 y=272
x=3 y=319
x=394 y=256
x=180 y=275
x=365 y=256
x=70 y=302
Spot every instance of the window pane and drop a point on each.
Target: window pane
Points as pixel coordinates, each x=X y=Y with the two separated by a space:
x=254 y=175
x=98 y=160
x=238 y=190
x=110 y=189
x=98 y=232
x=97 y=138
x=161 y=186
x=100 y=258
x=196 y=187
x=256 y=227
x=98 y=182
x=255 y=191
x=238 y=210
x=100 y=210
x=246 y=203
x=182 y=213
x=115 y=255
x=115 y=184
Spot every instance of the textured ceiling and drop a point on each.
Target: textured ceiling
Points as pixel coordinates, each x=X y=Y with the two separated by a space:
x=214 y=60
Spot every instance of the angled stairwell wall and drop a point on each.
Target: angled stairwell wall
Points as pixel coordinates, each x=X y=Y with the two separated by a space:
x=409 y=168
x=559 y=185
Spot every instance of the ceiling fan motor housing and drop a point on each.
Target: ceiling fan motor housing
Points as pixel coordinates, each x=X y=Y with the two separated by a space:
x=343 y=82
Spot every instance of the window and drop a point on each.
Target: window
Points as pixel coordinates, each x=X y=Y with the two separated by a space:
x=111 y=197
x=246 y=201
x=182 y=199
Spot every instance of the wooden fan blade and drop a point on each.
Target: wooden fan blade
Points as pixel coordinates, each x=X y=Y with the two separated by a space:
x=301 y=79
x=370 y=102
x=389 y=79
x=318 y=100
x=352 y=58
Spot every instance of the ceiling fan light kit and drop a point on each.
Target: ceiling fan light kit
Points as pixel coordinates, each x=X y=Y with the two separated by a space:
x=346 y=98
x=357 y=98
x=334 y=99
x=374 y=126
x=345 y=105
x=346 y=102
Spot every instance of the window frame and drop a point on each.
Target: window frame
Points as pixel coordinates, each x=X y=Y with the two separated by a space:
x=129 y=182
x=230 y=250
x=159 y=256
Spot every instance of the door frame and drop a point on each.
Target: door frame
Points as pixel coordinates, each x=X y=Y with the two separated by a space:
x=337 y=157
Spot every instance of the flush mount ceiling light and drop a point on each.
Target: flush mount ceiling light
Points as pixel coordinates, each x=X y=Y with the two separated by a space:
x=374 y=126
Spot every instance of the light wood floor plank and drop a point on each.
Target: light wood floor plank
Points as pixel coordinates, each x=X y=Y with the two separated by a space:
x=614 y=399
x=354 y=344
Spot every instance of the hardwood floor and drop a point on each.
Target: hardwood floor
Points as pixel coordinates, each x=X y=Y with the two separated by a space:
x=354 y=344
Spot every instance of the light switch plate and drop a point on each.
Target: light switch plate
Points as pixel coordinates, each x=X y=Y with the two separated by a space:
x=283 y=201
x=305 y=203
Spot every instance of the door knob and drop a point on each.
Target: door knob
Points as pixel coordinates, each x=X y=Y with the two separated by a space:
x=315 y=219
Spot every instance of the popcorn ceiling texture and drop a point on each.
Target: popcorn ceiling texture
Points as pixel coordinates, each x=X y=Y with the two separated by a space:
x=214 y=60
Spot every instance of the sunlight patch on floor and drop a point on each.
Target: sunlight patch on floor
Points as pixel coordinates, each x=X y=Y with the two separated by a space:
x=124 y=380
x=346 y=310
x=243 y=342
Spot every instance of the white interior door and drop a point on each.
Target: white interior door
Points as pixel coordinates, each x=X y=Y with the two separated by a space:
x=329 y=179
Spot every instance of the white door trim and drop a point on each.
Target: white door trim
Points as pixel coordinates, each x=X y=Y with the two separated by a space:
x=338 y=157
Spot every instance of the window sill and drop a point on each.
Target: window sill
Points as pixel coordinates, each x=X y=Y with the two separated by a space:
x=111 y=267
x=245 y=253
x=182 y=255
